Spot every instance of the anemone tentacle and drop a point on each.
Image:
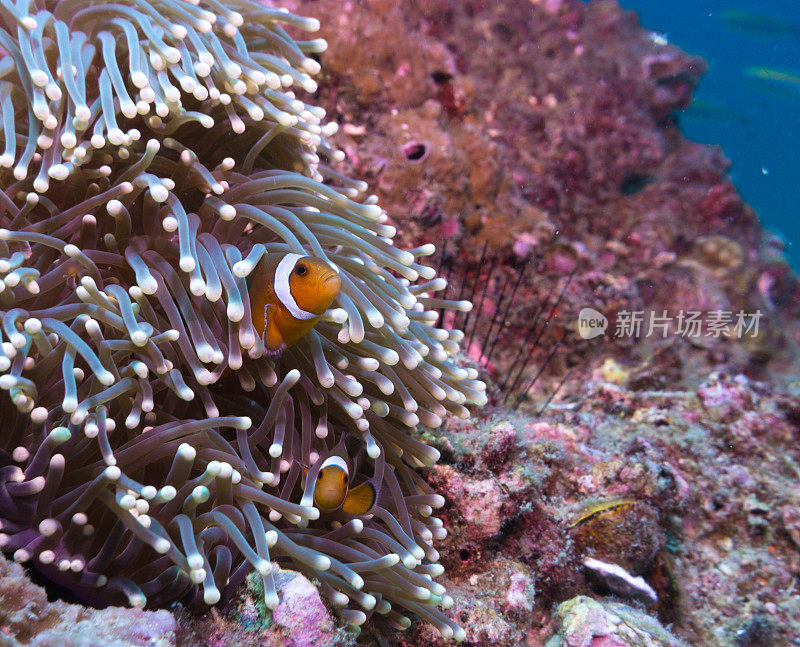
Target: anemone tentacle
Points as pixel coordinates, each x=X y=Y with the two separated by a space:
x=153 y=153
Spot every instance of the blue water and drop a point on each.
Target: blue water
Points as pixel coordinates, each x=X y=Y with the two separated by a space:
x=757 y=123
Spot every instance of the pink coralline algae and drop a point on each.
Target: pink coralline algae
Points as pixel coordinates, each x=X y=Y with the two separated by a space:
x=302 y=618
x=520 y=596
x=478 y=501
x=654 y=487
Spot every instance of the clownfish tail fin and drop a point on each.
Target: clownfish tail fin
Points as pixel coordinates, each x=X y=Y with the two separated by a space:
x=360 y=499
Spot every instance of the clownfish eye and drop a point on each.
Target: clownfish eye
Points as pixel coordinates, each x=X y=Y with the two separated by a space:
x=345 y=478
x=301 y=269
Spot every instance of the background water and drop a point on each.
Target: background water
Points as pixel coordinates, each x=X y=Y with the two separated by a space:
x=757 y=122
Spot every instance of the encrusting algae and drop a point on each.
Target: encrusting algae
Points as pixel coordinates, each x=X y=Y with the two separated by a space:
x=199 y=317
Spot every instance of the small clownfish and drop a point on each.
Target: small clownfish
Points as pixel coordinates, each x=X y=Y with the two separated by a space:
x=288 y=294
x=332 y=490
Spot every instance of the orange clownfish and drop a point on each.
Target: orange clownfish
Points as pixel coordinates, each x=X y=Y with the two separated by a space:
x=288 y=294
x=332 y=490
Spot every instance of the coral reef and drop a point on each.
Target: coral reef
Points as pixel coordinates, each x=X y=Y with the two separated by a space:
x=693 y=490
x=550 y=130
x=538 y=140
x=301 y=618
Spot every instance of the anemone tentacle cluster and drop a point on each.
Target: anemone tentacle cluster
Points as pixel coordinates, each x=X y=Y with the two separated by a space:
x=153 y=152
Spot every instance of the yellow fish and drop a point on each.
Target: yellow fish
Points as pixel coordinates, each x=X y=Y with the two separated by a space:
x=288 y=294
x=784 y=83
x=332 y=489
x=759 y=23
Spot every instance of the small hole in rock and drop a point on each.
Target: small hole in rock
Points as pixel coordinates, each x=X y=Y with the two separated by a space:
x=634 y=183
x=415 y=151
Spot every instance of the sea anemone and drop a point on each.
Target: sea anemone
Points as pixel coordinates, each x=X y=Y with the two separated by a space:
x=152 y=451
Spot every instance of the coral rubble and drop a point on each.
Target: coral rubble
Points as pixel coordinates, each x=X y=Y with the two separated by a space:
x=588 y=623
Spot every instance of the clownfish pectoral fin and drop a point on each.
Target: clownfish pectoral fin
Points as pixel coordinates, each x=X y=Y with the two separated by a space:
x=360 y=499
x=274 y=354
x=273 y=342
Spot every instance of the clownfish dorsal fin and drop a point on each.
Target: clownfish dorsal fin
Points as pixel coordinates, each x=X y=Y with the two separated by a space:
x=360 y=499
x=339 y=455
x=305 y=470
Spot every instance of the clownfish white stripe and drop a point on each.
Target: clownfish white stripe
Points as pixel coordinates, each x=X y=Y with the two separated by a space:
x=284 y=292
x=336 y=461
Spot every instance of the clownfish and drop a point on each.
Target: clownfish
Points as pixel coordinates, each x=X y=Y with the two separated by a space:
x=288 y=294
x=332 y=489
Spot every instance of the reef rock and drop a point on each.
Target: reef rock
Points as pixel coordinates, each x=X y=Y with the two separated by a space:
x=27 y=618
x=300 y=620
x=588 y=623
